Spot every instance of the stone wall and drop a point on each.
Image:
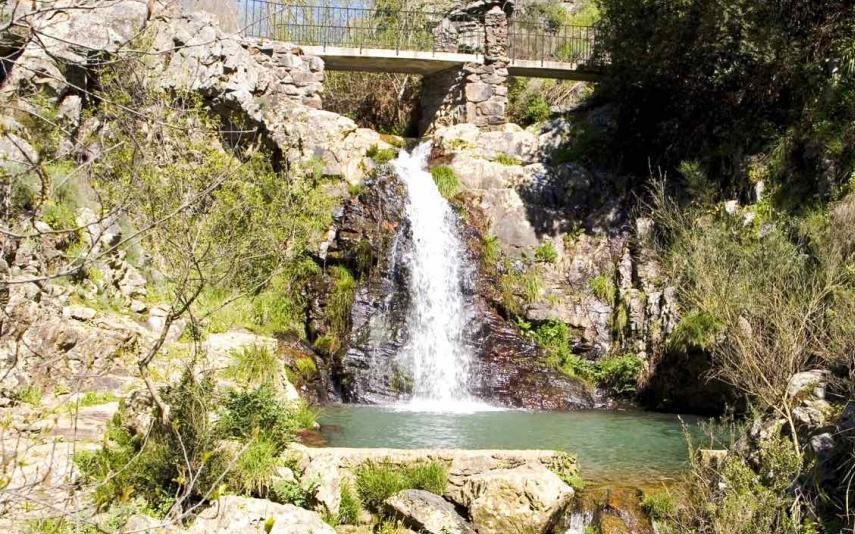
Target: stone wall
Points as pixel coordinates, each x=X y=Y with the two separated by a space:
x=478 y=93
x=443 y=100
x=300 y=76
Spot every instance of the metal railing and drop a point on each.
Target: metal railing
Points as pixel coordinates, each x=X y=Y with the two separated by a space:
x=563 y=44
x=340 y=26
x=336 y=23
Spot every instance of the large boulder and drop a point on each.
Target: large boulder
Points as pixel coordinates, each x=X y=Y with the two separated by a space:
x=241 y=515
x=428 y=513
x=525 y=499
x=68 y=38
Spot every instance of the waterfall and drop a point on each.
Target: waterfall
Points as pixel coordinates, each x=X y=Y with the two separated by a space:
x=436 y=352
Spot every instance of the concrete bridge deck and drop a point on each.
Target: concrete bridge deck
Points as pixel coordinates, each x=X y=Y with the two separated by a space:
x=427 y=63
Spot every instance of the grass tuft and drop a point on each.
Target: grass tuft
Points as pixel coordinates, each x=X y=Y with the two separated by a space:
x=446 y=180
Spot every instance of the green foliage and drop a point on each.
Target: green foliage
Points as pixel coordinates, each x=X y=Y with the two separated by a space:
x=658 y=505
x=255 y=468
x=619 y=373
x=536 y=109
x=695 y=329
x=29 y=394
x=339 y=304
x=446 y=181
x=376 y=482
x=519 y=287
x=247 y=413
x=588 y=14
x=303 y=369
x=291 y=492
x=718 y=83
x=546 y=252
x=254 y=365
x=150 y=467
x=381 y=155
x=491 y=251
x=96 y=398
x=59 y=216
x=736 y=498
x=196 y=454
x=507 y=159
x=603 y=288
x=350 y=506
x=550 y=15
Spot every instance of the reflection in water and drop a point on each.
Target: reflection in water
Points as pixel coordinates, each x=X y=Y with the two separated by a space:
x=610 y=446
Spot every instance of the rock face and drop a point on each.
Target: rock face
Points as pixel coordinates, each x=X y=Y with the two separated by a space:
x=232 y=514
x=508 y=369
x=428 y=513
x=275 y=85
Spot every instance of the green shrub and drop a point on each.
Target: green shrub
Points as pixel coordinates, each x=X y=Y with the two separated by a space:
x=291 y=492
x=507 y=159
x=536 y=109
x=304 y=369
x=658 y=505
x=619 y=373
x=25 y=191
x=247 y=413
x=603 y=288
x=339 y=303
x=736 y=498
x=59 y=216
x=255 y=468
x=546 y=252
x=350 y=506
x=377 y=482
x=695 y=329
x=355 y=190
x=446 y=180
x=519 y=288
x=254 y=365
x=29 y=394
x=154 y=467
x=381 y=155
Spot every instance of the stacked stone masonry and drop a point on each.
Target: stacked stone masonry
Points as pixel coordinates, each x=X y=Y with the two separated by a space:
x=478 y=92
x=300 y=76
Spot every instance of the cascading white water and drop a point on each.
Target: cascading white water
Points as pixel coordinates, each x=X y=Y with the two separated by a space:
x=436 y=352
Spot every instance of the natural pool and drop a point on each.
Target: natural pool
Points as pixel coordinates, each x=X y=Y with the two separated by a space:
x=631 y=447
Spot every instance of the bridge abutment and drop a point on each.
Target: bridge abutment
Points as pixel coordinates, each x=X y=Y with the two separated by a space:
x=476 y=93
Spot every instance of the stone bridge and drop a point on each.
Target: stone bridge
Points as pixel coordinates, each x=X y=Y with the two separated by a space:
x=465 y=55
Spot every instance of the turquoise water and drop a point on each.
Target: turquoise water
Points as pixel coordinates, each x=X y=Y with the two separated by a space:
x=616 y=447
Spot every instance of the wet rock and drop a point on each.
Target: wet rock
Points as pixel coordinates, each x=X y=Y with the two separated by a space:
x=507 y=368
x=428 y=513
x=239 y=515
